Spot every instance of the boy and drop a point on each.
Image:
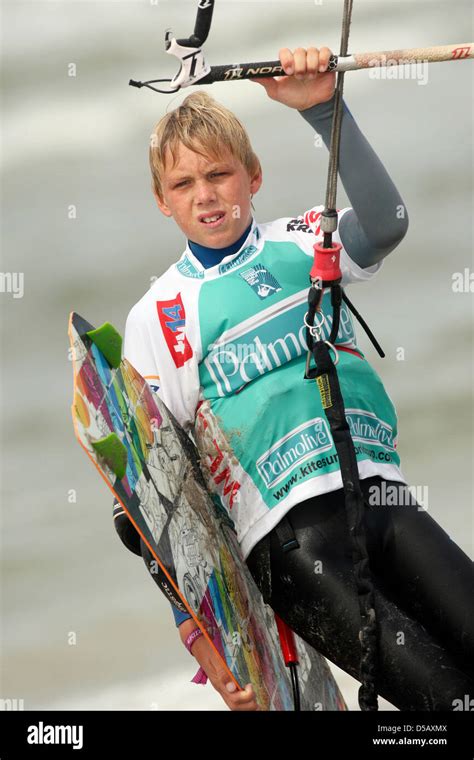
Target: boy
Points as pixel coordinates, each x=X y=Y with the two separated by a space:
x=220 y=336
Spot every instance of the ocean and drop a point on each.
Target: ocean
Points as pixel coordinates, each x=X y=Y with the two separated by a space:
x=83 y=626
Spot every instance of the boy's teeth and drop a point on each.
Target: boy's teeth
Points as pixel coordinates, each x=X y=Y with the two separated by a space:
x=212 y=218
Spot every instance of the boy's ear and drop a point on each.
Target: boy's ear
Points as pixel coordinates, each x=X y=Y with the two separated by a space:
x=161 y=203
x=256 y=182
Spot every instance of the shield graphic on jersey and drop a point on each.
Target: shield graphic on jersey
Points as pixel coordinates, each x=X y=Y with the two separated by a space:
x=262 y=282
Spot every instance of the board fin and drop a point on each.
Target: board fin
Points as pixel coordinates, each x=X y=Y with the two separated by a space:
x=113 y=452
x=109 y=342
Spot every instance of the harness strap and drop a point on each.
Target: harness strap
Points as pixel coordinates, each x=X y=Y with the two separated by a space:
x=286 y=535
x=326 y=272
x=262 y=563
x=333 y=404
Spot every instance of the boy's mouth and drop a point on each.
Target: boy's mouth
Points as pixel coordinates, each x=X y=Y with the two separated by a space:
x=212 y=220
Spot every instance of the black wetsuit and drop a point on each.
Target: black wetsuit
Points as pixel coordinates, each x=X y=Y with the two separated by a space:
x=423 y=593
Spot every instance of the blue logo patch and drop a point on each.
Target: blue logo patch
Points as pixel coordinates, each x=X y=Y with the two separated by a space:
x=241 y=258
x=186 y=267
x=261 y=281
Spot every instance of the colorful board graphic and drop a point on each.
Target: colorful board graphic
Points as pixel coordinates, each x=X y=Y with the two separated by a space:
x=152 y=467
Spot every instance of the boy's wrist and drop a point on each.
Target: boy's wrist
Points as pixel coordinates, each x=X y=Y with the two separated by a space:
x=186 y=627
x=192 y=638
x=320 y=109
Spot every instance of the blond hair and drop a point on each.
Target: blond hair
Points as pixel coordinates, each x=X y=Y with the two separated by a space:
x=204 y=126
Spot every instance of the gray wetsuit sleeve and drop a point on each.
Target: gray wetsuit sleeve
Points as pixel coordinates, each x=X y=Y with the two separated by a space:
x=378 y=220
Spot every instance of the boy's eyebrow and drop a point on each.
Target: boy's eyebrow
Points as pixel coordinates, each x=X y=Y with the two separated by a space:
x=180 y=177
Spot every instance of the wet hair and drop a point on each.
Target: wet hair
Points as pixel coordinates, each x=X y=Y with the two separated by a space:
x=204 y=126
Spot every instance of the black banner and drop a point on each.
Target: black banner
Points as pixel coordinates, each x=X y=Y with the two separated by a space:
x=381 y=734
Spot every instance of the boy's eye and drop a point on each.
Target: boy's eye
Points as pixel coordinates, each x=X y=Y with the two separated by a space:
x=186 y=181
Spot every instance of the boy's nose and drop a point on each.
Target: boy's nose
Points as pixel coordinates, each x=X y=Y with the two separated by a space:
x=205 y=192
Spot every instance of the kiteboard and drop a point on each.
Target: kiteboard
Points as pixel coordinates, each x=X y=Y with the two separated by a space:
x=152 y=467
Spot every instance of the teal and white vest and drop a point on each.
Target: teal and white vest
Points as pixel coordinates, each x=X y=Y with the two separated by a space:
x=224 y=347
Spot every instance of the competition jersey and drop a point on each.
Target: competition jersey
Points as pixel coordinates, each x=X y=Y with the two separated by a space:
x=224 y=347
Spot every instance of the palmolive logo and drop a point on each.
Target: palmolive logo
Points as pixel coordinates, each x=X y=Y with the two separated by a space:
x=270 y=344
x=231 y=366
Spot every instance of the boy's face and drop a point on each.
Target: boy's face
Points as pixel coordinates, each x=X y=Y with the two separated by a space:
x=197 y=189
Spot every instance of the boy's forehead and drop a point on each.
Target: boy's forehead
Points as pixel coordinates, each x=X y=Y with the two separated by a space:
x=183 y=158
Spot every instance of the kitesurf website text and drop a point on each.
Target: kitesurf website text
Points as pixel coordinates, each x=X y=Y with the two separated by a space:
x=317 y=464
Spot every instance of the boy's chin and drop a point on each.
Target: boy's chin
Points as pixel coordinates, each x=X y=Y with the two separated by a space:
x=216 y=241
x=219 y=237
x=216 y=238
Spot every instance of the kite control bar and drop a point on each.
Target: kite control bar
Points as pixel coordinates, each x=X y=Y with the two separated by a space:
x=194 y=69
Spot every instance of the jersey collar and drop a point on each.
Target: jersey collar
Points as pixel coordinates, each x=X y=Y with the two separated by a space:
x=190 y=266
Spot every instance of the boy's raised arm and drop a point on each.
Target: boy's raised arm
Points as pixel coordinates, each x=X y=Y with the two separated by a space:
x=378 y=220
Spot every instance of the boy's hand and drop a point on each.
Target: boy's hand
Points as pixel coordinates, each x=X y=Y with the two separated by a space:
x=206 y=656
x=308 y=82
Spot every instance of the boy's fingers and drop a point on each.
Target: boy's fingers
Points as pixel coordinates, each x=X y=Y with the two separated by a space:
x=247 y=695
x=243 y=700
x=304 y=62
x=286 y=60
x=240 y=699
x=313 y=61
x=241 y=694
x=243 y=708
x=324 y=55
x=300 y=62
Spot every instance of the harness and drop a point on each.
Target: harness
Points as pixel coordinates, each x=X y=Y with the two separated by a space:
x=326 y=273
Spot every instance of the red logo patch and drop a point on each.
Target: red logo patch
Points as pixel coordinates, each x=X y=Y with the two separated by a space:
x=311 y=218
x=173 y=324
